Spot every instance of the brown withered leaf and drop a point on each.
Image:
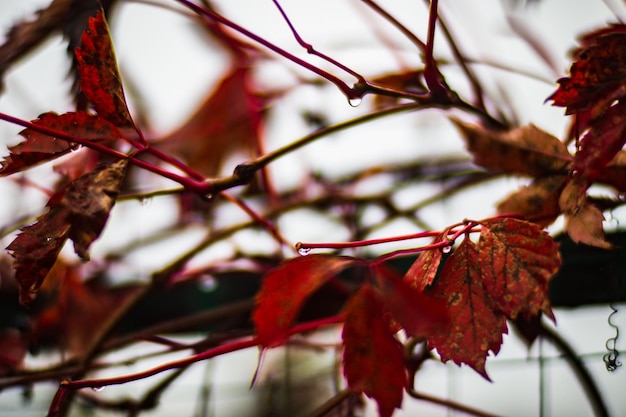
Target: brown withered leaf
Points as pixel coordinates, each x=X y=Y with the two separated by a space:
x=585 y=226
x=79 y=212
x=89 y=200
x=574 y=195
x=538 y=201
x=526 y=150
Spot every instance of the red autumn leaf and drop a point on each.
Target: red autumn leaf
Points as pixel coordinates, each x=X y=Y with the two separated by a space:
x=604 y=139
x=418 y=314
x=373 y=359
x=78 y=212
x=77 y=310
x=526 y=150
x=598 y=75
x=614 y=174
x=476 y=327
x=226 y=123
x=517 y=259
x=286 y=288
x=37 y=147
x=538 y=202
x=424 y=270
x=98 y=75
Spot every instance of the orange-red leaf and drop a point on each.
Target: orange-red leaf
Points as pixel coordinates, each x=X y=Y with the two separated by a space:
x=373 y=359
x=476 y=326
x=286 y=288
x=518 y=259
x=78 y=212
x=37 y=147
x=526 y=150
x=98 y=75
x=418 y=314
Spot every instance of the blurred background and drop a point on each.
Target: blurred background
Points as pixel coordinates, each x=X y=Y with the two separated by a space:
x=171 y=67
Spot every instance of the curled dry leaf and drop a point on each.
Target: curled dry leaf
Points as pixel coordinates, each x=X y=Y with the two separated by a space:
x=78 y=212
x=526 y=150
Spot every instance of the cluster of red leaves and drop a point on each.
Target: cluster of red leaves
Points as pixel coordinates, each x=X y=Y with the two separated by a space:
x=461 y=311
x=594 y=93
x=79 y=209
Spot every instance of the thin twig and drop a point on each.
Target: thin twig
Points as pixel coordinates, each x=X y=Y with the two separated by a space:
x=449 y=404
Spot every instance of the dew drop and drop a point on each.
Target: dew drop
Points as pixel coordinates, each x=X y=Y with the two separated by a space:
x=302 y=250
x=207 y=197
x=145 y=202
x=355 y=101
x=446 y=249
x=97 y=389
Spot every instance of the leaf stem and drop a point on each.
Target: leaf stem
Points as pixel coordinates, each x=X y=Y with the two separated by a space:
x=311 y=50
x=208 y=354
x=189 y=183
x=345 y=88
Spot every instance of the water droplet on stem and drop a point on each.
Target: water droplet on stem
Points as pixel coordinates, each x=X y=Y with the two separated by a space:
x=447 y=249
x=354 y=101
x=97 y=389
x=302 y=251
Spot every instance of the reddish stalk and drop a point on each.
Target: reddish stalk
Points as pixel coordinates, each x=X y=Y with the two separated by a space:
x=208 y=354
x=345 y=88
x=192 y=185
x=431 y=73
x=311 y=50
x=267 y=225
